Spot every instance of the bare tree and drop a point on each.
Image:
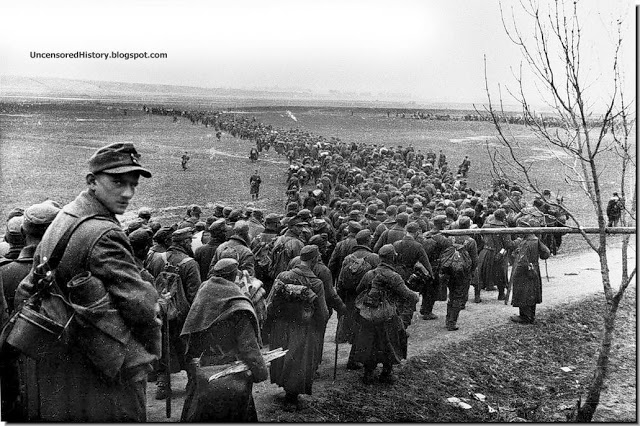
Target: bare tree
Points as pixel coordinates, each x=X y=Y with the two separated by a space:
x=584 y=129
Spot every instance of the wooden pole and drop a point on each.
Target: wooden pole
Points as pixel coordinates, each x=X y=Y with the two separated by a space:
x=537 y=230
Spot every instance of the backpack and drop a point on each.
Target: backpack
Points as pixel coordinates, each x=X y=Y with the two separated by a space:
x=279 y=261
x=374 y=305
x=168 y=280
x=254 y=288
x=455 y=259
x=353 y=269
x=262 y=253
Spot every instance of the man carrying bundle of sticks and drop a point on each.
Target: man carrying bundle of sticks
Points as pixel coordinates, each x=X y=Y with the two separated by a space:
x=222 y=320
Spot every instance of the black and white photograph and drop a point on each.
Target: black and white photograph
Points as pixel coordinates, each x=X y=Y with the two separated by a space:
x=318 y=211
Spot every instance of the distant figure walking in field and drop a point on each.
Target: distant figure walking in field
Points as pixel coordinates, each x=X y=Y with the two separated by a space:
x=442 y=158
x=254 y=182
x=463 y=169
x=253 y=155
x=614 y=209
x=185 y=160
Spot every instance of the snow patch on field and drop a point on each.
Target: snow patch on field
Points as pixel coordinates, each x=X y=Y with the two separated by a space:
x=480 y=138
x=547 y=154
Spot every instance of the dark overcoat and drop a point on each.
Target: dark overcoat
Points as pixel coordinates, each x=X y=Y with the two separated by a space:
x=526 y=280
x=68 y=388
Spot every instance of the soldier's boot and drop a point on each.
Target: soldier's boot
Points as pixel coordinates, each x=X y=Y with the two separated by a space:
x=352 y=365
x=476 y=293
x=387 y=374
x=162 y=386
x=367 y=379
x=452 y=318
x=501 y=295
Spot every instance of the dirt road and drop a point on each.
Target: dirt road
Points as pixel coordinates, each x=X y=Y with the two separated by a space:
x=571 y=277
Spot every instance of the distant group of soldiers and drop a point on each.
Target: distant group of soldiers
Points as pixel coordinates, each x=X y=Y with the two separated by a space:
x=207 y=291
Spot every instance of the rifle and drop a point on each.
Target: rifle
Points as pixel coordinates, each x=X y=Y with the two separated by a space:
x=167 y=362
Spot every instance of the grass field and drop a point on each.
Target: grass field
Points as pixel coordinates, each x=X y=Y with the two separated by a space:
x=45 y=146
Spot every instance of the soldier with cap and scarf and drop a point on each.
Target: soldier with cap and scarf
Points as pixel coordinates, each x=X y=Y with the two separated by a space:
x=384 y=342
x=296 y=316
x=223 y=323
x=69 y=387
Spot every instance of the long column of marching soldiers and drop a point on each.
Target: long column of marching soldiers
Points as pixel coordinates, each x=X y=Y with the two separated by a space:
x=363 y=206
x=371 y=211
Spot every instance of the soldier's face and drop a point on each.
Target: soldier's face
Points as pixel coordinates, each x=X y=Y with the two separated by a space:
x=115 y=191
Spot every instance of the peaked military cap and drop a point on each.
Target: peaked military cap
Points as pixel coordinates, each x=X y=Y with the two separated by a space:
x=117 y=158
x=309 y=252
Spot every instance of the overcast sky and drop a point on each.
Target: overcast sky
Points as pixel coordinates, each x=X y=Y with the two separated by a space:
x=430 y=50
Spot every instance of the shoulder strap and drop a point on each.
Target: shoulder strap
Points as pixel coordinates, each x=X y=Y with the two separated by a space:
x=165 y=258
x=58 y=250
x=183 y=261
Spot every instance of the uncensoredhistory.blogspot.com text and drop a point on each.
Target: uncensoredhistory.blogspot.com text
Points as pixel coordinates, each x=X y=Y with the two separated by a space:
x=98 y=55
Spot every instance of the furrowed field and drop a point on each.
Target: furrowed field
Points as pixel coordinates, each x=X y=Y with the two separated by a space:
x=45 y=146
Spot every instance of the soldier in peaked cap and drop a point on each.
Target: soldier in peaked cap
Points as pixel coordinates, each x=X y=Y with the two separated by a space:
x=303 y=338
x=144 y=213
x=384 y=342
x=66 y=389
x=343 y=248
x=33 y=224
x=6 y=246
x=527 y=283
x=14 y=238
x=204 y=254
x=409 y=252
x=179 y=256
x=238 y=243
x=346 y=285
x=162 y=241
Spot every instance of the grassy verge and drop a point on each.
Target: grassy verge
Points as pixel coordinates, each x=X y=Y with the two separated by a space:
x=517 y=368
